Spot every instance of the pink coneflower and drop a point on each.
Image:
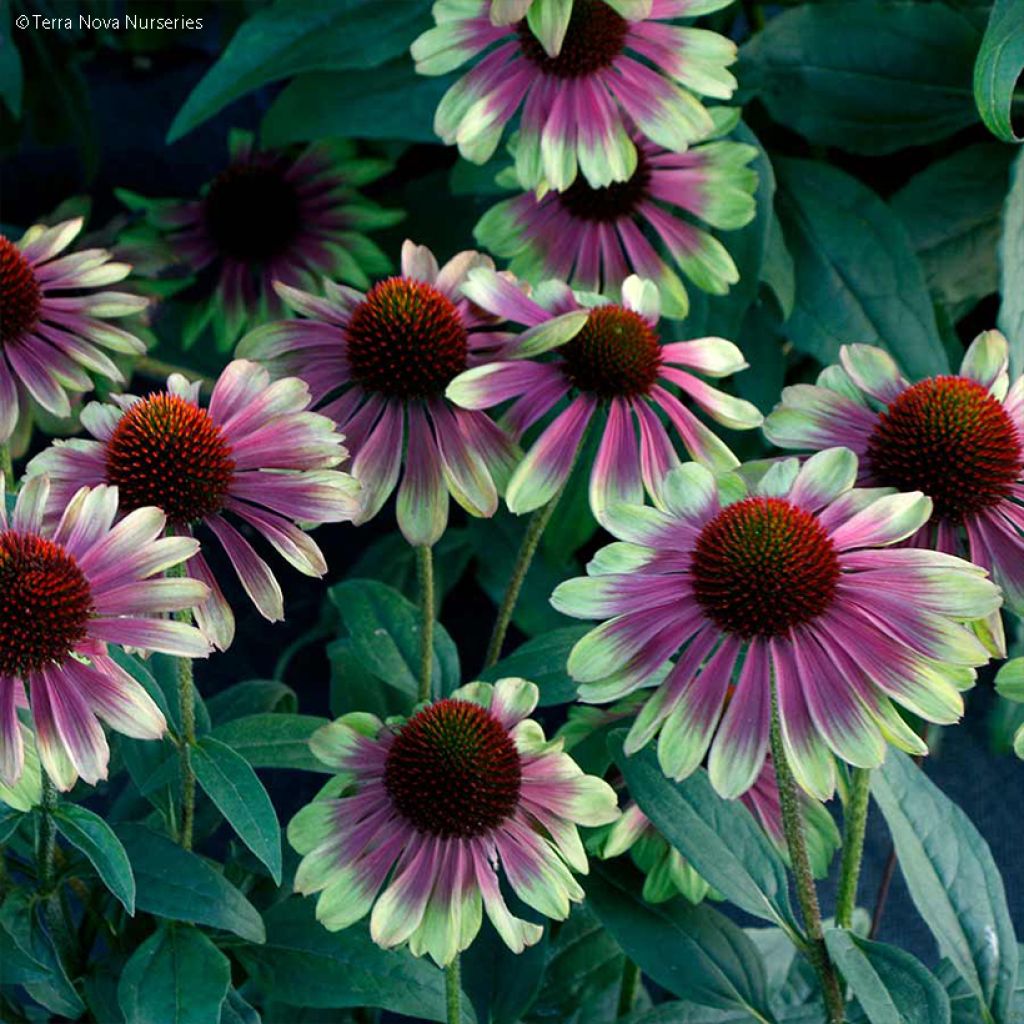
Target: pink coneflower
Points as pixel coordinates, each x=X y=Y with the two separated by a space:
x=959 y=439
x=595 y=237
x=378 y=364
x=609 y=361
x=796 y=583
x=609 y=73
x=256 y=454
x=52 y=323
x=272 y=216
x=432 y=807
x=65 y=593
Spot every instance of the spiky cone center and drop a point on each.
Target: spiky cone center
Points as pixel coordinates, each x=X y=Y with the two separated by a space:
x=610 y=203
x=45 y=603
x=763 y=566
x=20 y=295
x=595 y=36
x=167 y=452
x=615 y=355
x=951 y=439
x=406 y=340
x=453 y=771
x=252 y=211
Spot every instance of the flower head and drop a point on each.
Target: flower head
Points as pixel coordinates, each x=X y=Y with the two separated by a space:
x=271 y=216
x=378 y=364
x=593 y=237
x=609 y=361
x=67 y=591
x=958 y=439
x=53 y=323
x=796 y=585
x=432 y=806
x=582 y=85
x=255 y=454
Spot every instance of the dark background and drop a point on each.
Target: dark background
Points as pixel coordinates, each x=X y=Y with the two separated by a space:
x=126 y=102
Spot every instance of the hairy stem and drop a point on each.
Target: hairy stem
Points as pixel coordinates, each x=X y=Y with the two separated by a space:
x=53 y=910
x=531 y=540
x=629 y=989
x=187 y=733
x=801 y=864
x=453 y=991
x=425 y=572
x=854 y=826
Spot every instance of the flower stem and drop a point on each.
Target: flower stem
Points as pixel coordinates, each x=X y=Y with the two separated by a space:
x=806 y=893
x=187 y=732
x=47 y=854
x=629 y=989
x=425 y=572
x=7 y=465
x=453 y=991
x=854 y=826
x=531 y=540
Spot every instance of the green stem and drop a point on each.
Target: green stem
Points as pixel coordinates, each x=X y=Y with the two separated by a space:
x=425 y=572
x=453 y=991
x=531 y=540
x=801 y=865
x=854 y=826
x=629 y=989
x=187 y=733
x=7 y=465
x=47 y=854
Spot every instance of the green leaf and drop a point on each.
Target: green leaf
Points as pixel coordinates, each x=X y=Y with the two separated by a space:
x=542 y=660
x=1010 y=680
x=1011 y=268
x=273 y=741
x=583 y=973
x=693 y=951
x=951 y=213
x=1000 y=64
x=235 y=1010
x=953 y=881
x=390 y=102
x=287 y=39
x=91 y=835
x=384 y=628
x=502 y=985
x=177 y=976
x=856 y=275
x=180 y=886
x=719 y=837
x=869 y=77
x=891 y=986
x=303 y=964
x=250 y=698
x=21 y=918
x=232 y=785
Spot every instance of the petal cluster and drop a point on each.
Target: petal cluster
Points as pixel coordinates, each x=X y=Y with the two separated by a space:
x=377 y=364
x=891 y=625
x=256 y=455
x=53 y=324
x=426 y=874
x=93 y=580
x=606 y=359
